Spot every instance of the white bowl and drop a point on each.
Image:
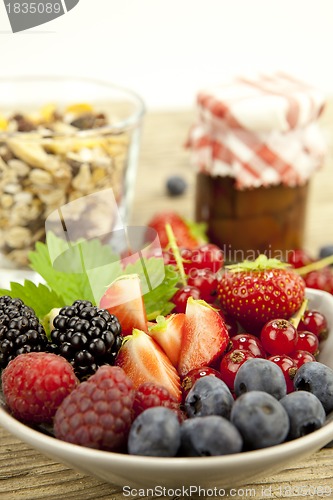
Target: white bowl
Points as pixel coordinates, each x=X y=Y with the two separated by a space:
x=208 y=472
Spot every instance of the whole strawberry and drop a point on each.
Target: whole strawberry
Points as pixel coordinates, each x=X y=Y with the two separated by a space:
x=187 y=235
x=34 y=385
x=98 y=413
x=256 y=292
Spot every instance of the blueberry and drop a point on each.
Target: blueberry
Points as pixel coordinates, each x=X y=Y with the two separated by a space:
x=209 y=436
x=176 y=185
x=325 y=251
x=259 y=374
x=209 y=396
x=261 y=419
x=305 y=411
x=316 y=378
x=155 y=432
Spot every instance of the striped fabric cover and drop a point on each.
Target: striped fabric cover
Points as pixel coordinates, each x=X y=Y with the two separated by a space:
x=261 y=132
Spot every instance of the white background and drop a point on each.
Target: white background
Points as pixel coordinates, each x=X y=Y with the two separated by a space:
x=167 y=49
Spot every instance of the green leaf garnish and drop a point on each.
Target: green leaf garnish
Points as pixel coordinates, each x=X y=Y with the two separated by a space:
x=39 y=297
x=158 y=285
x=84 y=271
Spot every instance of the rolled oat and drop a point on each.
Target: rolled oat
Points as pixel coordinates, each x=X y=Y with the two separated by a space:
x=47 y=166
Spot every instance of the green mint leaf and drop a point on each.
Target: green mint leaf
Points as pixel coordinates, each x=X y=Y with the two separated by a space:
x=79 y=271
x=39 y=297
x=157 y=297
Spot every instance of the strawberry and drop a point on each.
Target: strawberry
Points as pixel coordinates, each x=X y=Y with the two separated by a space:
x=187 y=235
x=204 y=338
x=143 y=360
x=255 y=292
x=167 y=331
x=124 y=299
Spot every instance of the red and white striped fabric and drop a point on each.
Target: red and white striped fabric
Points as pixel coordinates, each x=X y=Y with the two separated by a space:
x=261 y=132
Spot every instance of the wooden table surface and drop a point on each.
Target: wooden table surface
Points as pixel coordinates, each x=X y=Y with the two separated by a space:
x=25 y=474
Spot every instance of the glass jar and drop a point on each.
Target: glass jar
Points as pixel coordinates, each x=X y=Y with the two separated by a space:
x=255 y=146
x=246 y=222
x=62 y=139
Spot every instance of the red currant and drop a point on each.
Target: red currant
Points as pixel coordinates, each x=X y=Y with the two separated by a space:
x=181 y=296
x=185 y=254
x=208 y=256
x=206 y=281
x=248 y=342
x=230 y=323
x=307 y=341
x=193 y=375
x=230 y=364
x=288 y=367
x=299 y=258
x=321 y=279
x=301 y=357
x=315 y=322
x=278 y=336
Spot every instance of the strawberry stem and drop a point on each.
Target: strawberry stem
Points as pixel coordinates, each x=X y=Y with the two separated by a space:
x=315 y=266
x=175 y=249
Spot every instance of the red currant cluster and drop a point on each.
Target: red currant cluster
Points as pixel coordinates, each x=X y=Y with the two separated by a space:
x=201 y=266
x=279 y=341
x=319 y=277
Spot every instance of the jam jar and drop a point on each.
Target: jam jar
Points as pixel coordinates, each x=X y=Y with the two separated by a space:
x=255 y=145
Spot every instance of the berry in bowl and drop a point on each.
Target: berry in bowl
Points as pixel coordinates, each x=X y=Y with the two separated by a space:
x=153 y=406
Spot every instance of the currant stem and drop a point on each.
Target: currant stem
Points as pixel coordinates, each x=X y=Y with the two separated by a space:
x=315 y=266
x=296 y=318
x=174 y=247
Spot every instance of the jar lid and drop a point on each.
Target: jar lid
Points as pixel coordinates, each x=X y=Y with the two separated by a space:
x=258 y=159
x=275 y=102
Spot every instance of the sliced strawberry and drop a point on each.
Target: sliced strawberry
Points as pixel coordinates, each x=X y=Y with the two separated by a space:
x=205 y=336
x=187 y=235
x=143 y=360
x=124 y=299
x=167 y=331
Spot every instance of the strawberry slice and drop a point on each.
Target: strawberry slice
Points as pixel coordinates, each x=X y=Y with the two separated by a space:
x=143 y=360
x=167 y=331
x=205 y=336
x=124 y=299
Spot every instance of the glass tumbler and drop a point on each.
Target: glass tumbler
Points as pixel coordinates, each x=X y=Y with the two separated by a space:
x=62 y=139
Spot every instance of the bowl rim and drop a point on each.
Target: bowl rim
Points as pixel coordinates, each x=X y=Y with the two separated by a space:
x=51 y=445
x=128 y=123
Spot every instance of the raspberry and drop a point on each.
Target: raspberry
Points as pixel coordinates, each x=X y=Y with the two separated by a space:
x=20 y=330
x=87 y=336
x=149 y=395
x=98 y=413
x=34 y=384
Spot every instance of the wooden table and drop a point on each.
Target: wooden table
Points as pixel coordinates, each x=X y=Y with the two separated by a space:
x=25 y=474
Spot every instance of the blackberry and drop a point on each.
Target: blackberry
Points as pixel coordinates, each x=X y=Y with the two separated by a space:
x=20 y=330
x=88 y=337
